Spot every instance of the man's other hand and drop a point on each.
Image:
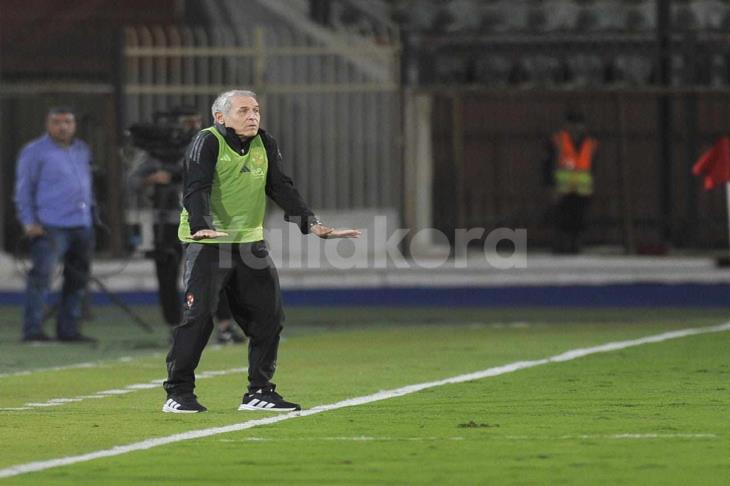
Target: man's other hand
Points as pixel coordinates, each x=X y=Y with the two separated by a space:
x=33 y=230
x=325 y=232
x=162 y=177
x=207 y=233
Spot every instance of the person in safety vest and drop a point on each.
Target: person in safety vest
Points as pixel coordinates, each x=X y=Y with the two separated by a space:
x=570 y=173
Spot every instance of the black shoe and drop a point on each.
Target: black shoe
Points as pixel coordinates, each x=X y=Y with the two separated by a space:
x=77 y=338
x=183 y=404
x=36 y=338
x=266 y=399
x=230 y=337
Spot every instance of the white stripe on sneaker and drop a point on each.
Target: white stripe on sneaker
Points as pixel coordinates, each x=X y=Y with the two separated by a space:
x=171 y=406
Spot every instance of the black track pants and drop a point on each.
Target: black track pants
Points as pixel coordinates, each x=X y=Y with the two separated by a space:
x=247 y=276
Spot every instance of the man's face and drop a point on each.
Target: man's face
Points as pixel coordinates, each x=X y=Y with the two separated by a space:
x=61 y=127
x=190 y=123
x=243 y=117
x=577 y=129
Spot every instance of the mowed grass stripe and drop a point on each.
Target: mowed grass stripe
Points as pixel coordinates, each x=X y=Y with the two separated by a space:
x=157 y=383
x=651 y=415
x=383 y=395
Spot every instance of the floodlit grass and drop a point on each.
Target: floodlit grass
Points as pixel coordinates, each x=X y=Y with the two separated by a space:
x=654 y=414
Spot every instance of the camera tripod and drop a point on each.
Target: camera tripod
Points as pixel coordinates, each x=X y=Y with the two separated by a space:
x=113 y=298
x=52 y=310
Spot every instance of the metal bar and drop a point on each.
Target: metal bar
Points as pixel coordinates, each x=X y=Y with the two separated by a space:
x=145 y=77
x=331 y=131
x=131 y=74
x=624 y=172
x=513 y=91
x=458 y=156
x=691 y=130
x=664 y=117
x=727 y=202
x=214 y=77
x=386 y=52
x=344 y=124
x=201 y=71
x=188 y=66
x=259 y=70
x=114 y=196
x=161 y=71
x=49 y=87
x=202 y=74
x=316 y=133
x=357 y=170
x=153 y=89
x=371 y=169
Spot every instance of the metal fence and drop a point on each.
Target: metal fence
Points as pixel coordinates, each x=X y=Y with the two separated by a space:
x=490 y=149
x=334 y=109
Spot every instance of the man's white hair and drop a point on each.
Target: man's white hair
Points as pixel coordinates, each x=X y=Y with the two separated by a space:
x=222 y=103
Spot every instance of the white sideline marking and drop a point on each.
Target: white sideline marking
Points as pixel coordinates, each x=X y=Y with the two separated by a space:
x=615 y=436
x=359 y=438
x=351 y=402
x=87 y=364
x=662 y=436
x=53 y=368
x=366 y=438
x=55 y=402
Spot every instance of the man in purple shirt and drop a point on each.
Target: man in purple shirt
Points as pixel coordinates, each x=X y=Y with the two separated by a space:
x=53 y=197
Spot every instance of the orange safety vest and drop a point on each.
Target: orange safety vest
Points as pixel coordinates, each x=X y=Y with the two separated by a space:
x=573 y=171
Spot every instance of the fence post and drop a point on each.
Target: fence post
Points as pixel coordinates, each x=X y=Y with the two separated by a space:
x=115 y=116
x=114 y=197
x=665 y=127
x=259 y=70
x=418 y=161
x=457 y=121
x=626 y=203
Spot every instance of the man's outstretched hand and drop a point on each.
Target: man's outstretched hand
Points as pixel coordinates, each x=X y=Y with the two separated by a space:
x=33 y=230
x=207 y=233
x=325 y=232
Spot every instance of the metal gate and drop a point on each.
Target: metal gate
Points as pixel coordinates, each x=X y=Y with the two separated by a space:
x=491 y=169
x=337 y=123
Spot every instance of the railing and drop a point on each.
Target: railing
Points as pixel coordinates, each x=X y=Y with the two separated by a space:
x=490 y=150
x=338 y=125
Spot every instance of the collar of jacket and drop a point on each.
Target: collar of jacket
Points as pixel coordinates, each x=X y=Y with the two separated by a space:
x=234 y=141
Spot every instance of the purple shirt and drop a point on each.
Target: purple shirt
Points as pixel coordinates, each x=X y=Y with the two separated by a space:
x=53 y=184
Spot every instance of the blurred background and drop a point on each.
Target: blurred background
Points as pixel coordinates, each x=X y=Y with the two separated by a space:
x=436 y=113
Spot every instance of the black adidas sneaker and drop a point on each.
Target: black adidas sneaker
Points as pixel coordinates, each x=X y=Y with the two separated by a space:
x=183 y=404
x=266 y=399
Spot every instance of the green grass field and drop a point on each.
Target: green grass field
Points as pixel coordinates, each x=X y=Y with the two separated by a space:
x=656 y=413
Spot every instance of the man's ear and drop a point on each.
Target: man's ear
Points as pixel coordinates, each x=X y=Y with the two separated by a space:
x=219 y=118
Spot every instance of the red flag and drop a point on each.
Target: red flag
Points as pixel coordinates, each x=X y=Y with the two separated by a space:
x=714 y=164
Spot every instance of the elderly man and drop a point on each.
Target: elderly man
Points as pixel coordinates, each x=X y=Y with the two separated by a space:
x=230 y=168
x=53 y=197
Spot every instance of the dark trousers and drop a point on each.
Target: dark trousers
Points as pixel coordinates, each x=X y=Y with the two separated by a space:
x=167 y=268
x=73 y=246
x=570 y=223
x=246 y=275
x=168 y=255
